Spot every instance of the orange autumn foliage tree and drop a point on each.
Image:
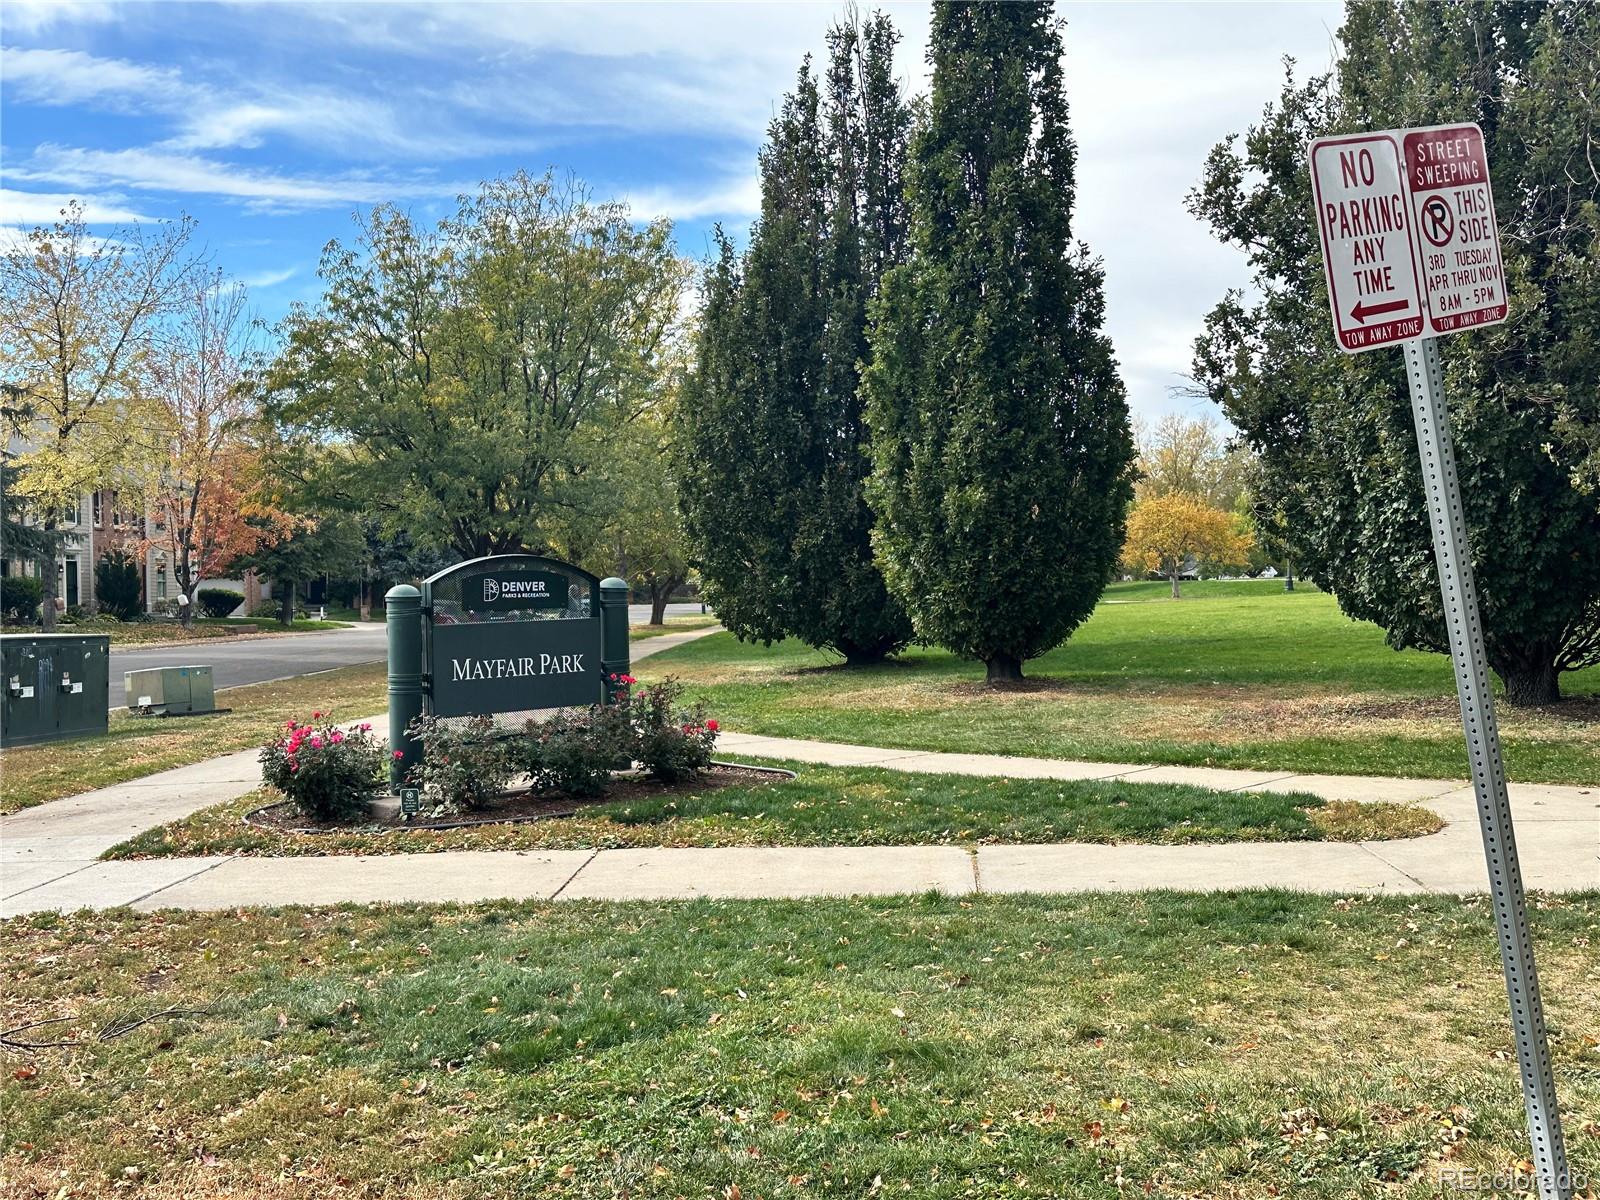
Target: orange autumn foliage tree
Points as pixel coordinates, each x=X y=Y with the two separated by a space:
x=1165 y=532
x=209 y=500
x=206 y=529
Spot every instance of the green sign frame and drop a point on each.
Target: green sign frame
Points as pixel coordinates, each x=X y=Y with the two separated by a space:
x=503 y=633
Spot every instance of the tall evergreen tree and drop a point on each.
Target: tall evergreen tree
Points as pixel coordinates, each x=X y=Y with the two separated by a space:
x=999 y=424
x=772 y=453
x=1338 y=459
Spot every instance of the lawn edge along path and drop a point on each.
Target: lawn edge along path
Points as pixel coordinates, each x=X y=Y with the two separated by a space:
x=50 y=852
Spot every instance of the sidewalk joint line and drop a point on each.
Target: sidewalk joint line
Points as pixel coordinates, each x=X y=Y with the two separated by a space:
x=175 y=883
x=48 y=882
x=1261 y=783
x=1367 y=846
x=593 y=854
x=1125 y=774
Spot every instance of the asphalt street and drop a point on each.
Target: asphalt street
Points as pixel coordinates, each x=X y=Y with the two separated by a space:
x=259 y=660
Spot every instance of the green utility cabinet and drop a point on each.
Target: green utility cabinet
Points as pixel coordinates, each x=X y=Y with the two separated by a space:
x=56 y=685
x=170 y=691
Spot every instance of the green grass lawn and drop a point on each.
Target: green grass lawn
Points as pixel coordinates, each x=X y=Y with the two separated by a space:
x=1245 y=1046
x=154 y=633
x=272 y=624
x=1235 y=674
x=671 y=625
x=1204 y=589
x=829 y=806
x=137 y=746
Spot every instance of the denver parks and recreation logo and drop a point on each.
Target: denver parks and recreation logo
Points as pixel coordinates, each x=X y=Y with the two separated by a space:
x=530 y=590
x=524 y=590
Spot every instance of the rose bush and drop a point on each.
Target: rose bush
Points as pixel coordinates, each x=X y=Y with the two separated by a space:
x=670 y=742
x=465 y=765
x=329 y=773
x=574 y=753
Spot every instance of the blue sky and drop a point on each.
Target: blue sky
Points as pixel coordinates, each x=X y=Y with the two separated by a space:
x=271 y=123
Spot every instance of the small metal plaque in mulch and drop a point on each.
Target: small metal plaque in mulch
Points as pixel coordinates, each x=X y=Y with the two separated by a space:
x=519 y=807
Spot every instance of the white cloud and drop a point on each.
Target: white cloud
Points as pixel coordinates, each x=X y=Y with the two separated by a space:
x=156 y=170
x=35 y=16
x=211 y=116
x=640 y=67
x=66 y=77
x=735 y=196
x=27 y=209
x=266 y=279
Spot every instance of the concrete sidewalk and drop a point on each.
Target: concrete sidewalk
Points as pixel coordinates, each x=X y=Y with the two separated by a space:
x=51 y=850
x=48 y=854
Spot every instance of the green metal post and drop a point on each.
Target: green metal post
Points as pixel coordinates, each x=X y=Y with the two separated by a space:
x=613 y=631
x=403 y=622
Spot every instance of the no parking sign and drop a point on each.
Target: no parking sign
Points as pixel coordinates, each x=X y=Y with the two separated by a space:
x=1410 y=251
x=1409 y=241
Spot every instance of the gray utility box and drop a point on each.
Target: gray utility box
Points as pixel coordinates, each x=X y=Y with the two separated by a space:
x=170 y=690
x=52 y=686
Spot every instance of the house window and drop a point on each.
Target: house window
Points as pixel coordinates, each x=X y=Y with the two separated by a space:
x=97 y=507
x=73 y=513
x=161 y=583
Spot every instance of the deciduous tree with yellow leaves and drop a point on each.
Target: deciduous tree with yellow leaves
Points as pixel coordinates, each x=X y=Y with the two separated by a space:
x=79 y=314
x=1166 y=532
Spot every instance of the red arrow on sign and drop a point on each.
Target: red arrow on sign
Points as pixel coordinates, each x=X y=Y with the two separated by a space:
x=1363 y=310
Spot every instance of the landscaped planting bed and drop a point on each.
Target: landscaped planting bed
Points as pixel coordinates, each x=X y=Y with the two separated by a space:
x=825 y=806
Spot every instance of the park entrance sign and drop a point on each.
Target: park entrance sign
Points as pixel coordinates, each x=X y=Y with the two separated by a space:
x=1411 y=250
x=511 y=633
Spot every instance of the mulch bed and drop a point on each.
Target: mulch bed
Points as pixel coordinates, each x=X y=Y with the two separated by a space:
x=520 y=807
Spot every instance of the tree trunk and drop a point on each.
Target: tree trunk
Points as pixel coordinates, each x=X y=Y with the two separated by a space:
x=49 y=578
x=1530 y=683
x=186 y=587
x=1003 y=668
x=1288 y=581
x=658 y=603
x=1177 y=594
x=286 y=604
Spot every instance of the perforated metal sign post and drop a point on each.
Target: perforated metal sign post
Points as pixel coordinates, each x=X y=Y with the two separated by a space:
x=1446 y=178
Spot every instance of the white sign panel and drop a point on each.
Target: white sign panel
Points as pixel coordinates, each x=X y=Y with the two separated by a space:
x=1458 y=242
x=1409 y=242
x=1364 y=215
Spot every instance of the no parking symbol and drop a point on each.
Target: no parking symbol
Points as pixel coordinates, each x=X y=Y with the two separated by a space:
x=1438 y=222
